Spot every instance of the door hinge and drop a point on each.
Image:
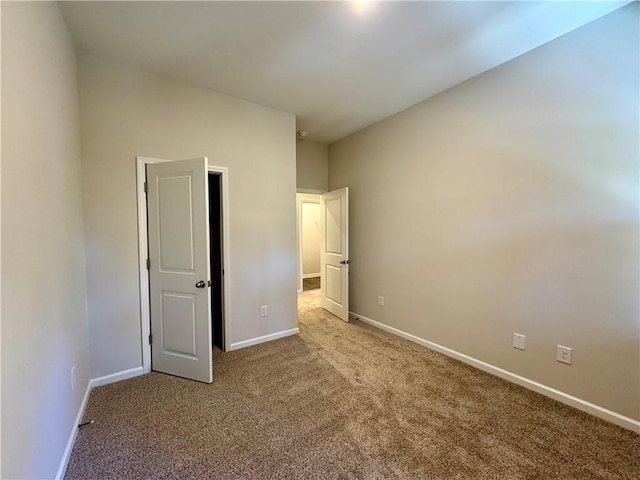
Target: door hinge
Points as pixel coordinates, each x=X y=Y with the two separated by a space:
x=146 y=187
x=150 y=339
x=148 y=264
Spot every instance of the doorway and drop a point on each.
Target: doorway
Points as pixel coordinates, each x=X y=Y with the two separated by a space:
x=221 y=292
x=323 y=247
x=215 y=257
x=309 y=240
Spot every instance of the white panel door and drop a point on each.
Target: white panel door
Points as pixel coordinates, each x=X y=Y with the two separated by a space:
x=180 y=304
x=334 y=222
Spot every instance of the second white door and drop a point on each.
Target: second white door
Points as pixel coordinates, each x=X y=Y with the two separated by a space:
x=334 y=222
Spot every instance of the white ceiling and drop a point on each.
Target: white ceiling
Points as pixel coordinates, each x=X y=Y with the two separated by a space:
x=338 y=66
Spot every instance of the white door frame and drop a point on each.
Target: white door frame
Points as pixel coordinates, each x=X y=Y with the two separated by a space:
x=143 y=254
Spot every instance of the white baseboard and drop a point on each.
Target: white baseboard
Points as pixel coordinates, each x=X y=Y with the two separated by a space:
x=62 y=468
x=94 y=382
x=266 y=338
x=596 y=410
x=116 y=377
x=311 y=275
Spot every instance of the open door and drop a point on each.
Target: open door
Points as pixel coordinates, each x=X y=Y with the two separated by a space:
x=180 y=304
x=334 y=263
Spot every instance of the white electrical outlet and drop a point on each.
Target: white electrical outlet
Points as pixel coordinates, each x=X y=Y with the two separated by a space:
x=264 y=311
x=381 y=301
x=518 y=341
x=563 y=354
x=73 y=377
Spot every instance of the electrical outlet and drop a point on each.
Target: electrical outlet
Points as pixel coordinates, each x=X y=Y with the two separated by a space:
x=381 y=301
x=563 y=354
x=518 y=341
x=264 y=311
x=73 y=377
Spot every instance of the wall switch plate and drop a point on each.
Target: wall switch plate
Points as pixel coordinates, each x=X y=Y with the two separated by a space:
x=381 y=301
x=563 y=354
x=518 y=341
x=264 y=311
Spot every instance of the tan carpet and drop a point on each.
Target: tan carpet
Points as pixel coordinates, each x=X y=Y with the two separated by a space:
x=342 y=401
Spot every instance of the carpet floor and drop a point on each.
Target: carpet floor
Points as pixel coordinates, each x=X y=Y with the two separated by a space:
x=342 y=401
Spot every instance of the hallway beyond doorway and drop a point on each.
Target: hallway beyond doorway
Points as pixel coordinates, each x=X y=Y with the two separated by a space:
x=312 y=283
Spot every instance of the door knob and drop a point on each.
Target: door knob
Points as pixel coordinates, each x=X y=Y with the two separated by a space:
x=200 y=284
x=345 y=262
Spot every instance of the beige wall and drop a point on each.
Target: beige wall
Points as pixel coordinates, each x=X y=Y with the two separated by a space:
x=44 y=319
x=128 y=112
x=312 y=165
x=510 y=204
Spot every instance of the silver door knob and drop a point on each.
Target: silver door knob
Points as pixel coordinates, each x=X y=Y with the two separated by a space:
x=200 y=284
